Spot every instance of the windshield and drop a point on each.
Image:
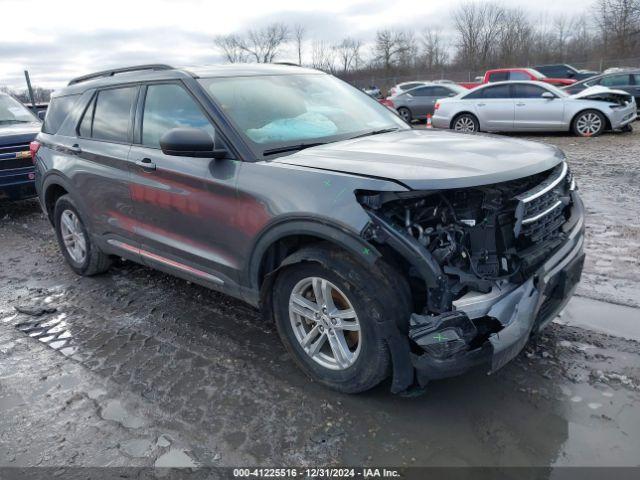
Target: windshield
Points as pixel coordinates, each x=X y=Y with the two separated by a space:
x=276 y=111
x=12 y=111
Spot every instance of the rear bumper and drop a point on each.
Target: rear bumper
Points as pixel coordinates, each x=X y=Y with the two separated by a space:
x=17 y=184
x=522 y=310
x=438 y=121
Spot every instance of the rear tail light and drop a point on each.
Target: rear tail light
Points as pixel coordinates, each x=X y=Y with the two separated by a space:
x=33 y=149
x=437 y=106
x=387 y=103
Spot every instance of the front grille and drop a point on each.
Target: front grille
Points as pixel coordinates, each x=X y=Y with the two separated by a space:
x=14 y=148
x=11 y=163
x=541 y=211
x=8 y=158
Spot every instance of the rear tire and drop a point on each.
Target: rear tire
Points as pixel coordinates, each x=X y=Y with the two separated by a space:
x=374 y=298
x=82 y=255
x=405 y=113
x=465 y=123
x=589 y=123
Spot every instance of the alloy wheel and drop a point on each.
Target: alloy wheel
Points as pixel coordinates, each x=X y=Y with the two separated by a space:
x=464 y=124
x=73 y=236
x=325 y=323
x=588 y=124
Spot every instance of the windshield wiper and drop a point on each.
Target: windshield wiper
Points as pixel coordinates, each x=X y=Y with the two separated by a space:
x=291 y=148
x=377 y=132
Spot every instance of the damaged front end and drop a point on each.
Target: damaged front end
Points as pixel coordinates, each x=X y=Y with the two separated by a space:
x=489 y=265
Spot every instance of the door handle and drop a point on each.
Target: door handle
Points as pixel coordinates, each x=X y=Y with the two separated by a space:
x=146 y=164
x=520 y=104
x=481 y=104
x=75 y=148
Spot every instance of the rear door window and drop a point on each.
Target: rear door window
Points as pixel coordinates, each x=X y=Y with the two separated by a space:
x=423 y=92
x=112 y=116
x=524 y=90
x=57 y=112
x=170 y=106
x=499 y=91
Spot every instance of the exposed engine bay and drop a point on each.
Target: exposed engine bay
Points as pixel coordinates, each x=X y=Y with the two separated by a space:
x=485 y=241
x=604 y=94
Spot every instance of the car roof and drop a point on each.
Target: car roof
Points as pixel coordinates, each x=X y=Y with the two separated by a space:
x=626 y=71
x=165 y=72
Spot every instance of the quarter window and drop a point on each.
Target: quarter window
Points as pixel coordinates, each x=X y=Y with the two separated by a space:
x=112 y=114
x=57 y=112
x=170 y=106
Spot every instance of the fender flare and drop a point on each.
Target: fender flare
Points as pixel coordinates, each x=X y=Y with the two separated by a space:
x=320 y=228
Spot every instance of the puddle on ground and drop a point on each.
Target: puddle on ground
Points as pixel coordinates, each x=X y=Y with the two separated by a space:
x=115 y=411
x=175 y=458
x=602 y=317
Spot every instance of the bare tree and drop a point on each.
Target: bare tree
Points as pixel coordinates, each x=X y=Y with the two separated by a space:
x=619 y=23
x=434 y=53
x=259 y=45
x=478 y=26
x=263 y=45
x=515 y=39
x=230 y=45
x=392 y=47
x=348 y=53
x=298 y=35
x=323 y=56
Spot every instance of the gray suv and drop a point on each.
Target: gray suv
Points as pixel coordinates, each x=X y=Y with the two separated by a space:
x=378 y=250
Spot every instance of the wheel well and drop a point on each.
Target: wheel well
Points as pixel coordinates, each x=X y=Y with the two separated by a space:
x=607 y=123
x=281 y=249
x=51 y=196
x=453 y=120
x=277 y=252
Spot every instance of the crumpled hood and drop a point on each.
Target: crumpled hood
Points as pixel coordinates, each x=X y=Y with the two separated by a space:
x=431 y=159
x=18 y=132
x=598 y=89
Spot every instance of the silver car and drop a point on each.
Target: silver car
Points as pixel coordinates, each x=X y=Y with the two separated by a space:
x=536 y=106
x=418 y=102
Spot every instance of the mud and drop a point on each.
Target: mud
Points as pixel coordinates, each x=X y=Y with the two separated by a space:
x=136 y=368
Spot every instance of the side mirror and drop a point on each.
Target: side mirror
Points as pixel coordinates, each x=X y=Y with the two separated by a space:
x=548 y=95
x=41 y=114
x=190 y=142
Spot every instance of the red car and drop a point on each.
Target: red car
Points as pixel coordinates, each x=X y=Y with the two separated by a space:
x=502 y=74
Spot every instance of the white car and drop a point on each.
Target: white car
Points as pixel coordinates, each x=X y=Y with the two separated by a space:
x=403 y=87
x=536 y=106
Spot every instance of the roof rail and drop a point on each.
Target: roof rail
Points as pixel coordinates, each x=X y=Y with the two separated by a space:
x=114 y=71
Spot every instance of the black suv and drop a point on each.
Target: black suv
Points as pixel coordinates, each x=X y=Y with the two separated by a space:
x=18 y=127
x=375 y=248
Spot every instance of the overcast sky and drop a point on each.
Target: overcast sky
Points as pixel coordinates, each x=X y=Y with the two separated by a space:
x=59 y=39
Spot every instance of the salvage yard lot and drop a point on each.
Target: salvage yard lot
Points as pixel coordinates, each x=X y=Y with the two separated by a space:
x=164 y=372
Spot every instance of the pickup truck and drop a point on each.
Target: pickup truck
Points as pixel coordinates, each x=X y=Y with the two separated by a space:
x=502 y=74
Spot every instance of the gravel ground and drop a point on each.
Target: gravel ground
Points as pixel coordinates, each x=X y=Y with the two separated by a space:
x=138 y=368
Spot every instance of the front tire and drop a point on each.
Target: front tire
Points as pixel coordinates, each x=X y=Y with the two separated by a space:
x=589 y=123
x=465 y=123
x=329 y=315
x=82 y=255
